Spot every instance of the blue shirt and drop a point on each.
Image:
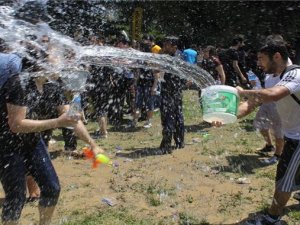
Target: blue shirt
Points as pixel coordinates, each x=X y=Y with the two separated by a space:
x=10 y=64
x=190 y=56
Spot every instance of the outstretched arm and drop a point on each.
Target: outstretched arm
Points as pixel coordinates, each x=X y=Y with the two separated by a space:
x=19 y=124
x=82 y=133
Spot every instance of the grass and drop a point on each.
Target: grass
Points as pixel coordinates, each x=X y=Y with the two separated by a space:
x=230 y=148
x=110 y=217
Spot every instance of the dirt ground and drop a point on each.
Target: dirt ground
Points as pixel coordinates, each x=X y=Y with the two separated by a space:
x=199 y=183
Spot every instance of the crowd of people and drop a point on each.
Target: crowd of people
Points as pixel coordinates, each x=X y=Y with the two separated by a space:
x=30 y=110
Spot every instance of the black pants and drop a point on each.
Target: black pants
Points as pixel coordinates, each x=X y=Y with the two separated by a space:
x=172 y=120
x=14 y=166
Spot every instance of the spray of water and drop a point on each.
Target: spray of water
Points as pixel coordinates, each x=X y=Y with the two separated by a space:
x=14 y=32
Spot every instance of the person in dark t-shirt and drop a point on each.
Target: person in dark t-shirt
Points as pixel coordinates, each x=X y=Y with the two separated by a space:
x=230 y=62
x=23 y=151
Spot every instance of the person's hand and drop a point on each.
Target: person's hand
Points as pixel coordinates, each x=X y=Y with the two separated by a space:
x=68 y=121
x=216 y=123
x=97 y=150
x=244 y=80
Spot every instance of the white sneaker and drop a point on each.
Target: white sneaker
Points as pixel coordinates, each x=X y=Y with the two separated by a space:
x=147 y=125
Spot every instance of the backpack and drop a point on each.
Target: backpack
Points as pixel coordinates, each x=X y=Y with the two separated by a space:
x=10 y=65
x=288 y=69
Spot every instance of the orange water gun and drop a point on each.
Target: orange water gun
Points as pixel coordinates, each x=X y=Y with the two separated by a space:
x=100 y=158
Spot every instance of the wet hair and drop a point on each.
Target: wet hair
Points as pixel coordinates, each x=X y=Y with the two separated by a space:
x=172 y=40
x=237 y=39
x=273 y=46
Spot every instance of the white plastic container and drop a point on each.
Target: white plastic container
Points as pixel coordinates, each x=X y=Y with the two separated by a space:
x=219 y=103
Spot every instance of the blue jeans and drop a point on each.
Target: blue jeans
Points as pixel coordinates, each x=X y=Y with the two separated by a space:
x=15 y=166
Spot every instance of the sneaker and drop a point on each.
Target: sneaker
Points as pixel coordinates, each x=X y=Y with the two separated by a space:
x=131 y=124
x=147 y=125
x=32 y=199
x=266 y=149
x=264 y=219
x=270 y=161
x=166 y=150
x=98 y=135
x=297 y=196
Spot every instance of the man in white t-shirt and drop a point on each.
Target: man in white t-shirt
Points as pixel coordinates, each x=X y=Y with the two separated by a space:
x=273 y=59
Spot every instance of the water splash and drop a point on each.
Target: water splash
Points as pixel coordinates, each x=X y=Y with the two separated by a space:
x=13 y=31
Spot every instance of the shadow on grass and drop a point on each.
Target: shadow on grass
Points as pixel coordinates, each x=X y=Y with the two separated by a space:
x=141 y=152
x=242 y=164
x=197 y=127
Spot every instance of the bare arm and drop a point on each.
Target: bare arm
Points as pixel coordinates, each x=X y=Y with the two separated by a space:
x=156 y=75
x=238 y=70
x=246 y=108
x=81 y=132
x=272 y=94
x=221 y=73
x=19 y=124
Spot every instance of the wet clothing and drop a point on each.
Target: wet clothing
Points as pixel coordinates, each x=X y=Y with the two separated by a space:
x=172 y=119
x=288 y=108
x=123 y=89
x=42 y=106
x=101 y=93
x=14 y=168
x=25 y=153
x=144 y=87
x=288 y=169
x=10 y=64
x=210 y=66
x=227 y=59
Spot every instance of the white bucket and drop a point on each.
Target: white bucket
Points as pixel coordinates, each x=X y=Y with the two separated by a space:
x=220 y=103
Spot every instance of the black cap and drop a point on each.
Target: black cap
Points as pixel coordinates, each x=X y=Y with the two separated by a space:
x=33 y=12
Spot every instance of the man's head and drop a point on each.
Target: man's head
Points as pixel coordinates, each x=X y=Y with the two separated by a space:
x=170 y=44
x=147 y=42
x=123 y=40
x=272 y=55
x=209 y=51
x=238 y=41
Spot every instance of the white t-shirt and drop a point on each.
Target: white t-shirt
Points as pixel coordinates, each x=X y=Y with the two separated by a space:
x=287 y=107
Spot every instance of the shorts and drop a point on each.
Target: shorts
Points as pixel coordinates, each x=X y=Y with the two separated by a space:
x=267 y=118
x=288 y=168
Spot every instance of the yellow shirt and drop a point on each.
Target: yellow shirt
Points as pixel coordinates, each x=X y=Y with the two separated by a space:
x=155 y=49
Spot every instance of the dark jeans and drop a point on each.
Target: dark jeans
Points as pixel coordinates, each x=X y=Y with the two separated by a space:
x=172 y=121
x=15 y=166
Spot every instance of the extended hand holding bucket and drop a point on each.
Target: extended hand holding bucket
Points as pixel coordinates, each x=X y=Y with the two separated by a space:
x=219 y=103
